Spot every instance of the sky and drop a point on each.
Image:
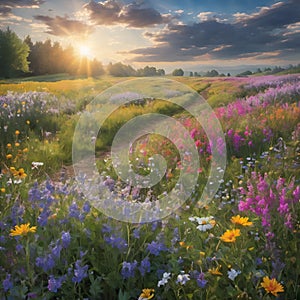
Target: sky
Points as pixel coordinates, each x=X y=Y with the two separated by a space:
x=192 y=34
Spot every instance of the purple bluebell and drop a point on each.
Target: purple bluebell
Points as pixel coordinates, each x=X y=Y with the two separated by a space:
x=65 y=239
x=7 y=283
x=46 y=263
x=144 y=266
x=74 y=211
x=116 y=242
x=156 y=247
x=201 y=282
x=55 y=283
x=80 y=272
x=56 y=251
x=128 y=269
x=86 y=207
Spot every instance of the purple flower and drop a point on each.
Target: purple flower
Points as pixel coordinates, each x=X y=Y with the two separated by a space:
x=7 y=283
x=86 y=207
x=56 y=251
x=65 y=239
x=128 y=269
x=145 y=266
x=80 y=272
x=74 y=211
x=156 y=247
x=116 y=242
x=55 y=283
x=46 y=263
x=201 y=282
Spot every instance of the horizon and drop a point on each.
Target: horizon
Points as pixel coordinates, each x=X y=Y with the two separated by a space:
x=229 y=37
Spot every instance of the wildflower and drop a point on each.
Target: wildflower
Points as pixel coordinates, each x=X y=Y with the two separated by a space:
x=2 y=190
x=36 y=164
x=272 y=286
x=205 y=223
x=241 y=220
x=20 y=173
x=215 y=271
x=156 y=247
x=55 y=283
x=183 y=278
x=164 y=280
x=145 y=266
x=230 y=235
x=9 y=156
x=79 y=272
x=8 y=145
x=7 y=283
x=128 y=269
x=27 y=122
x=146 y=294
x=25 y=150
x=201 y=282
x=17 y=132
x=17 y=144
x=46 y=263
x=23 y=229
x=233 y=273
x=65 y=239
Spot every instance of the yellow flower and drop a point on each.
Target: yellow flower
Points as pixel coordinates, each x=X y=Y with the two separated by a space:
x=230 y=235
x=215 y=271
x=17 y=144
x=147 y=294
x=27 y=122
x=272 y=286
x=17 y=132
x=8 y=145
x=23 y=229
x=25 y=150
x=9 y=156
x=2 y=190
x=241 y=220
x=20 y=173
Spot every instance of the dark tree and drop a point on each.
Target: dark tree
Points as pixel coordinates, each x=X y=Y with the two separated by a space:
x=178 y=72
x=13 y=54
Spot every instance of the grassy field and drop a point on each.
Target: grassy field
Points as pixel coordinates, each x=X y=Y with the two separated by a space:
x=239 y=243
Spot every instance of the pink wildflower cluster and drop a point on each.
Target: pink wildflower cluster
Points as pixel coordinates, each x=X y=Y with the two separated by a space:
x=266 y=198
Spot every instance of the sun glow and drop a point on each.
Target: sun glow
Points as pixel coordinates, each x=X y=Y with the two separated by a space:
x=84 y=51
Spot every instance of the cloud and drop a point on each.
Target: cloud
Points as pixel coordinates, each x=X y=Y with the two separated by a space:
x=62 y=26
x=136 y=15
x=271 y=32
x=6 y=6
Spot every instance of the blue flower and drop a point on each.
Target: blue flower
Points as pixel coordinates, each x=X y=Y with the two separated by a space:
x=46 y=263
x=116 y=242
x=65 y=239
x=86 y=207
x=156 y=247
x=145 y=266
x=128 y=269
x=201 y=282
x=56 y=251
x=183 y=278
x=55 y=283
x=7 y=283
x=74 y=211
x=80 y=272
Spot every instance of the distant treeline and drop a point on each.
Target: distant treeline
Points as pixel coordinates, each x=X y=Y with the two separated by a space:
x=23 y=58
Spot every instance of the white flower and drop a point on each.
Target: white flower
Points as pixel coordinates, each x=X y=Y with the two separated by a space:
x=36 y=164
x=164 y=280
x=204 y=223
x=183 y=278
x=233 y=273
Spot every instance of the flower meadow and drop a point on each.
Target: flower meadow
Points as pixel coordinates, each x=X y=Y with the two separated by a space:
x=243 y=244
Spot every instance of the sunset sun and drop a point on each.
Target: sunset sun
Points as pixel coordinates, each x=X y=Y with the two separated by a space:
x=84 y=51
